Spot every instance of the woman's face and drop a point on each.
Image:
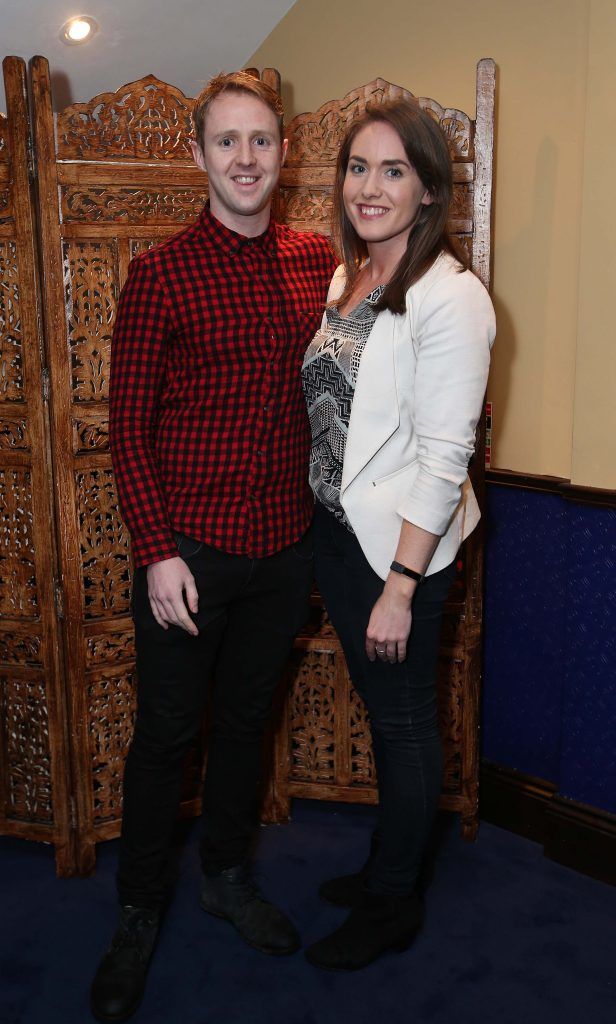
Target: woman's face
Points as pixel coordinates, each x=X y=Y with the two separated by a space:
x=382 y=193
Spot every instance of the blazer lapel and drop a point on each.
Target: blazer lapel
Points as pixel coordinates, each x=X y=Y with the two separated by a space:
x=375 y=412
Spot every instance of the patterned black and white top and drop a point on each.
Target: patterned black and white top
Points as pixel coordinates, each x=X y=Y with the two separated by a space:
x=329 y=375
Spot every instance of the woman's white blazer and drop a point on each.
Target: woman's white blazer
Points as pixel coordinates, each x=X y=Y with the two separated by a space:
x=418 y=396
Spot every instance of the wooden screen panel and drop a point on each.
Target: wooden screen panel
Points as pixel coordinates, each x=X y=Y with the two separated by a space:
x=334 y=717
x=121 y=173
x=34 y=765
x=314 y=139
x=122 y=177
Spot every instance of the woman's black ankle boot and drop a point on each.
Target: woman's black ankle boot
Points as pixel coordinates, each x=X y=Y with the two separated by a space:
x=376 y=924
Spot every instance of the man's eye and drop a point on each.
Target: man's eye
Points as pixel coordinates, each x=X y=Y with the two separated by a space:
x=261 y=140
x=226 y=143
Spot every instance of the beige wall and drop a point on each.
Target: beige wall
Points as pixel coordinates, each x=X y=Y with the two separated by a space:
x=551 y=137
x=594 y=420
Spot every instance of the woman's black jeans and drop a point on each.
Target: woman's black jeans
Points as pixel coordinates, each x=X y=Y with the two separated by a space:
x=249 y=612
x=400 y=699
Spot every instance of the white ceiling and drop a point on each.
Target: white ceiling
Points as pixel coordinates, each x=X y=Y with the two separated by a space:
x=183 y=42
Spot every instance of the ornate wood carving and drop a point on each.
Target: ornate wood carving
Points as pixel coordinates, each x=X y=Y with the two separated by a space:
x=18 y=590
x=307 y=209
x=92 y=290
x=104 y=544
x=33 y=718
x=305 y=200
x=90 y=435
x=20 y=649
x=26 y=746
x=111 y=712
x=312 y=707
x=462 y=203
x=106 y=205
x=316 y=137
x=139 y=245
x=363 y=772
x=14 y=433
x=11 y=360
x=455 y=124
x=144 y=120
x=106 y=648
x=139 y=133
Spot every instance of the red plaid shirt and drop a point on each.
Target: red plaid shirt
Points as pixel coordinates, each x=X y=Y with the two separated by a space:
x=208 y=425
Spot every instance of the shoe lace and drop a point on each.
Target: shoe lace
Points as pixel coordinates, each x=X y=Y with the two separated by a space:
x=247 y=890
x=132 y=934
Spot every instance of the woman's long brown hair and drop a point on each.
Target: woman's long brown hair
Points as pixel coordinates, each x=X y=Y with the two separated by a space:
x=427 y=152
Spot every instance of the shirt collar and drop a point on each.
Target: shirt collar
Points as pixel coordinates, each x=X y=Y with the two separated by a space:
x=232 y=242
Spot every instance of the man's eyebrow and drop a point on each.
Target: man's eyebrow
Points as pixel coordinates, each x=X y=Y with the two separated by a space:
x=235 y=131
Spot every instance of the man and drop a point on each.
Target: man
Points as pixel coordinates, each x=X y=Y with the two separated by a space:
x=210 y=443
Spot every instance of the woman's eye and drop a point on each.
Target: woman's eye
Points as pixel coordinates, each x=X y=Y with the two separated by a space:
x=356 y=168
x=394 y=172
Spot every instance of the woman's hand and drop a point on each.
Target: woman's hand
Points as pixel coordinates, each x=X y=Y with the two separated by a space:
x=390 y=621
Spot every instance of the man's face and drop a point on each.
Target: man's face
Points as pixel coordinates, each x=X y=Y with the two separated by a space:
x=242 y=155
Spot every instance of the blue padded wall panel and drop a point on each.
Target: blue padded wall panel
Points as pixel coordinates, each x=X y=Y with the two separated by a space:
x=549 y=686
x=524 y=612
x=588 y=763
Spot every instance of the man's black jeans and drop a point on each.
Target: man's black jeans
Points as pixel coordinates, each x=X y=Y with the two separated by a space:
x=400 y=698
x=249 y=612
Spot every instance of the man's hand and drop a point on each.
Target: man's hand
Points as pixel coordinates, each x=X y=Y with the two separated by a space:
x=390 y=623
x=168 y=581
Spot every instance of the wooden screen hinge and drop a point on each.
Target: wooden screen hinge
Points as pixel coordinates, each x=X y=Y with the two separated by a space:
x=45 y=384
x=58 y=594
x=32 y=167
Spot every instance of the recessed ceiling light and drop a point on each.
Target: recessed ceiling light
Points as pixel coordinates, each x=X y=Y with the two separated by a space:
x=78 y=30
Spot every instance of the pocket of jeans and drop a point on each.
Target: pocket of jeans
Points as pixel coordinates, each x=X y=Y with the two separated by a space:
x=187 y=547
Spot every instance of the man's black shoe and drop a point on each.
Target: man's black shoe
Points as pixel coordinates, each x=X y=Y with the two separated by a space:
x=119 y=982
x=233 y=895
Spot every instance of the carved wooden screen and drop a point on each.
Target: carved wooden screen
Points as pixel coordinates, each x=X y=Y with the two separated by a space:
x=122 y=177
x=115 y=176
x=323 y=747
x=34 y=777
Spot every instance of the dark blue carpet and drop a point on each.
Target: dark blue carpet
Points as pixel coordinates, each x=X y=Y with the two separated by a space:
x=510 y=938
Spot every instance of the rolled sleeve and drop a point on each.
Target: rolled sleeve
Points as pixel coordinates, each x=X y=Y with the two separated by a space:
x=455 y=328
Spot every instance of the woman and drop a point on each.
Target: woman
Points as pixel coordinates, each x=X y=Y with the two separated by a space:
x=394 y=382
